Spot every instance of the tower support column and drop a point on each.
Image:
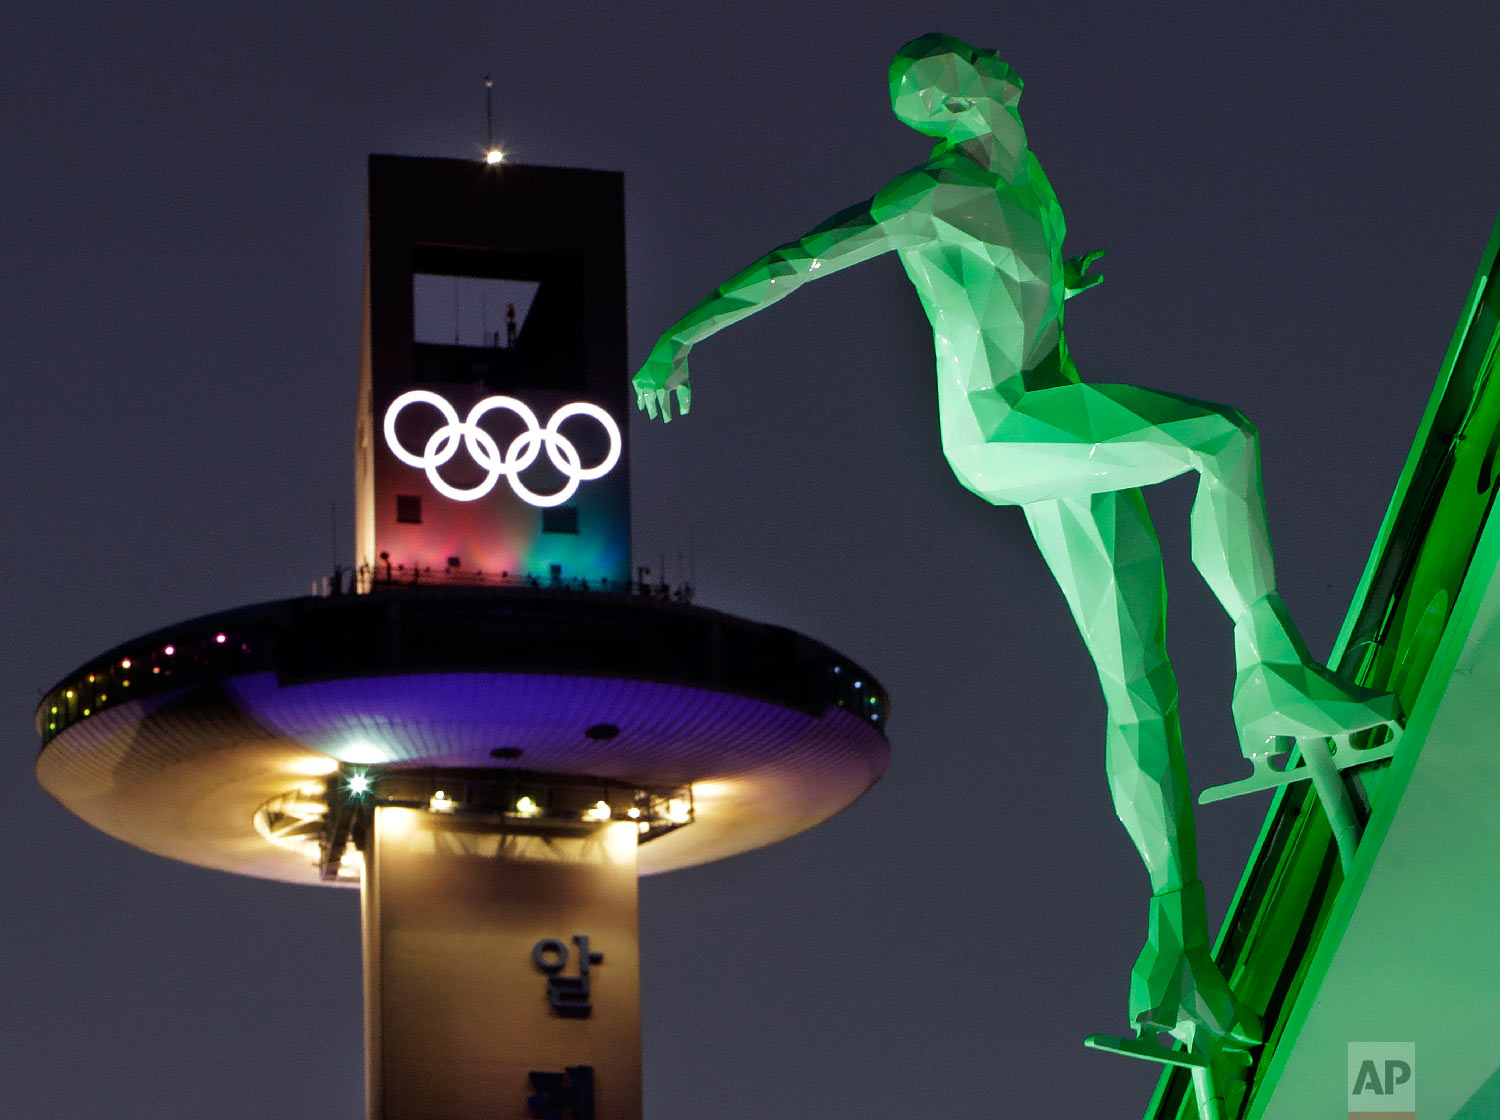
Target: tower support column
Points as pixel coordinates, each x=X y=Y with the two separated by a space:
x=502 y=969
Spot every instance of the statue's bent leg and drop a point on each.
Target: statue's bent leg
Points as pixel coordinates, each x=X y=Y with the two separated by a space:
x=1092 y=439
x=1103 y=551
x=1280 y=689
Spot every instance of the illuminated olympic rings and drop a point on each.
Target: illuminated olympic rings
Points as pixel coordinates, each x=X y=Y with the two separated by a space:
x=442 y=445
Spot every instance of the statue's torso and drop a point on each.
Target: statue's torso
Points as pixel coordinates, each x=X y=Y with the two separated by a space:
x=985 y=256
x=988 y=269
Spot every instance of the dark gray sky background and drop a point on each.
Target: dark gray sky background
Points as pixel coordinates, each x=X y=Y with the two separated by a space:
x=1293 y=201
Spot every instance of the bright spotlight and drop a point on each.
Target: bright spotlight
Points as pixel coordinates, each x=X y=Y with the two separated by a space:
x=494 y=155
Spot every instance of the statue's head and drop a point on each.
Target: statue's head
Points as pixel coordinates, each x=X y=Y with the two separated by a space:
x=944 y=88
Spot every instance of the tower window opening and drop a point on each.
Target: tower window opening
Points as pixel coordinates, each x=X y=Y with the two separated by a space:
x=560 y=519
x=470 y=311
x=409 y=509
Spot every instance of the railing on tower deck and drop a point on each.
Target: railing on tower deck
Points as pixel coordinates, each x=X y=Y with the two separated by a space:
x=386 y=576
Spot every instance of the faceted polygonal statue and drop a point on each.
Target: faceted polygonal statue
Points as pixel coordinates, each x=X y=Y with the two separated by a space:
x=979 y=232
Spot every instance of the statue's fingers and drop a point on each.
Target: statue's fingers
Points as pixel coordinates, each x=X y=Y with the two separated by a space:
x=684 y=398
x=648 y=402
x=664 y=399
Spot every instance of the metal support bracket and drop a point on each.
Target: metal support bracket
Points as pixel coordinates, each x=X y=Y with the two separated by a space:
x=1265 y=776
x=1321 y=760
x=1210 y=1075
x=1148 y=1051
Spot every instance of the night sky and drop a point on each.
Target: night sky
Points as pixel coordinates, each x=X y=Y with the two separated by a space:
x=1293 y=205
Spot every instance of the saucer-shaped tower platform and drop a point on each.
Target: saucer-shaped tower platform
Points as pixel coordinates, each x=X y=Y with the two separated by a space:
x=488 y=725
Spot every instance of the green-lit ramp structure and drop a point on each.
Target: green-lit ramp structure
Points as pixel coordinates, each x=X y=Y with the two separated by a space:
x=1404 y=948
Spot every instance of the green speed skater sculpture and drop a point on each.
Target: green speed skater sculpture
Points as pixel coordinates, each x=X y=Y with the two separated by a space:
x=979 y=231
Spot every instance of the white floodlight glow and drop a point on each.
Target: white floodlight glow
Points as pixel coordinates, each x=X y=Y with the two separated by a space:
x=600 y=811
x=494 y=155
x=441 y=803
x=359 y=784
x=360 y=752
x=313 y=766
x=527 y=807
x=678 y=811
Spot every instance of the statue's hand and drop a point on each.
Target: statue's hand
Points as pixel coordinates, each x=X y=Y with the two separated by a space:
x=657 y=378
x=1074 y=270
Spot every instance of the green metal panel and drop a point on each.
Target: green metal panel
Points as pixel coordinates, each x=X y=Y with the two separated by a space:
x=1297 y=934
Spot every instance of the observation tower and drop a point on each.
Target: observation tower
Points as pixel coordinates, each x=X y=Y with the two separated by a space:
x=488 y=726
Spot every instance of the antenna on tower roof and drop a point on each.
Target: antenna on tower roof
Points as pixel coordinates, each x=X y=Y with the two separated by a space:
x=492 y=154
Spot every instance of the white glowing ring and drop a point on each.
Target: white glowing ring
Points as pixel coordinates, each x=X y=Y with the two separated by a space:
x=437 y=402
x=443 y=444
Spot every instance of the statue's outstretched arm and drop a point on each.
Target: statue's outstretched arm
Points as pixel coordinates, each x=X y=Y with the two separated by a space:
x=849 y=237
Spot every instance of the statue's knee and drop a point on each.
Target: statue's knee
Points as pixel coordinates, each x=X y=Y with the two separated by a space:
x=1239 y=421
x=1245 y=437
x=1235 y=443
